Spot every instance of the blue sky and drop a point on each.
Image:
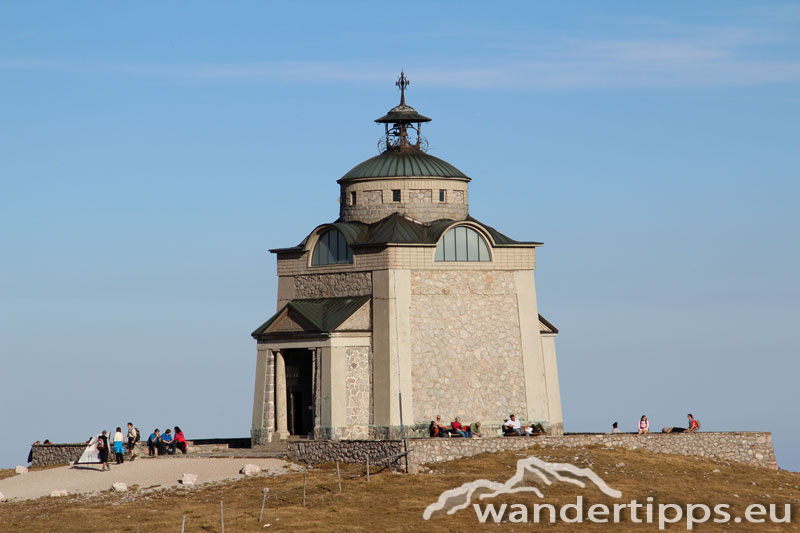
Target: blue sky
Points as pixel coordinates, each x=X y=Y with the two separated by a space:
x=151 y=153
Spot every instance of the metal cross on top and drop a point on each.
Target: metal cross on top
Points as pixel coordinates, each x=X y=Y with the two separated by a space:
x=402 y=83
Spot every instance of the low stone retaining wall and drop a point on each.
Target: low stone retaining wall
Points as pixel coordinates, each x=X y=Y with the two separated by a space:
x=56 y=454
x=347 y=451
x=67 y=453
x=748 y=448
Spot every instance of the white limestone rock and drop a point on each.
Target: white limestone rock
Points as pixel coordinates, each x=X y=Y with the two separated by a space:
x=250 y=470
x=22 y=470
x=188 y=479
x=58 y=493
x=119 y=487
x=2 y=496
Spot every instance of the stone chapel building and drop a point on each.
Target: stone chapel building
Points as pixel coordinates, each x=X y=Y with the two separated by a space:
x=403 y=308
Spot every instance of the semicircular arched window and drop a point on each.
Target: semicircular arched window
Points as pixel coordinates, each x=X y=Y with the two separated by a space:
x=462 y=244
x=331 y=249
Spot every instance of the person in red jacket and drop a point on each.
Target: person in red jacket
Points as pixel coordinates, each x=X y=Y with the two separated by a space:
x=459 y=428
x=178 y=441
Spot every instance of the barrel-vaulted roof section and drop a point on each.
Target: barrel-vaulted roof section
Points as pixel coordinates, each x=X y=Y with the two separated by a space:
x=403 y=163
x=397 y=229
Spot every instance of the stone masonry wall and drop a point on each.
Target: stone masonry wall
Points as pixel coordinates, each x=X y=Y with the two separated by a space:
x=466 y=351
x=419 y=199
x=358 y=390
x=751 y=448
x=68 y=453
x=351 y=451
x=333 y=285
x=56 y=454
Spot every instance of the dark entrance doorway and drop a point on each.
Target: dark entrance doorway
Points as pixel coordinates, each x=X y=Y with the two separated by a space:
x=299 y=391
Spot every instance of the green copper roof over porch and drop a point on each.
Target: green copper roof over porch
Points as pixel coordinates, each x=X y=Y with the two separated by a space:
x=322 y=315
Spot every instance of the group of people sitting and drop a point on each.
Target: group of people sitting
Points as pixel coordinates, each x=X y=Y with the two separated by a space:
x=513 y=428
x=456 y=429
x=166 y=443
x=644 y=426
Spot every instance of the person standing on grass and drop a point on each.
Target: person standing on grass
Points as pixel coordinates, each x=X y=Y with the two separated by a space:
x=119 y=448
x=102 y=449
x=133 y=436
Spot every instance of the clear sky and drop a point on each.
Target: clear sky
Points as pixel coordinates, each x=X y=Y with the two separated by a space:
x=151 y=153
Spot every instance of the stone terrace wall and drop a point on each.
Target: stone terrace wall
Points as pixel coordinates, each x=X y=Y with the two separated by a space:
x=346 y=451
x=750 y=448
x=64 y=454
x=56 y=454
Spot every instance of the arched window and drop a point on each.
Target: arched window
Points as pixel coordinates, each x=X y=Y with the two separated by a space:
x=331 y=249
x=462 y=244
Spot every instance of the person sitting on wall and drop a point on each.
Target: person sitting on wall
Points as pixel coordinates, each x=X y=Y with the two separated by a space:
x=166 y=443
x=437 y=429
x=694 y=425
x=512 y=427
x=644 y=425
x=153 y=442
x=460 y=429
x=534 y=428
x=179 y=441
x=615 y=427
x=475 y=429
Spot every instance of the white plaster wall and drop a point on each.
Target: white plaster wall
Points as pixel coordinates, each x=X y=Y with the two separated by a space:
x=556 y=417
x=391 y=304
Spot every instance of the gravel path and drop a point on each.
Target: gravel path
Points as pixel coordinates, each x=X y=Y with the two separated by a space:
x=163 y=472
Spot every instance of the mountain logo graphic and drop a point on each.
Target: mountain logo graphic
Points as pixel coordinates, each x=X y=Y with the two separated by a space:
x=531 y=468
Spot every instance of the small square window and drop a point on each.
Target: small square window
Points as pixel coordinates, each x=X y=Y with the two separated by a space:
x=395 y=195
x=442 y=195
x=353 y=198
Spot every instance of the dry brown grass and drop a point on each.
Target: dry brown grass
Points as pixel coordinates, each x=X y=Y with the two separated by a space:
x=395 y=502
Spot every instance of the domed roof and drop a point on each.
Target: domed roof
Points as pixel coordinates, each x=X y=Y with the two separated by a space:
x=403 y=163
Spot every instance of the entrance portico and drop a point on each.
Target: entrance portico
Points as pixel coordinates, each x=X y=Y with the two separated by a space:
x=311 y=382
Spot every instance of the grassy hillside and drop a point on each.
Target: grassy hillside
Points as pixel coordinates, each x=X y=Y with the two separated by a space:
x=395 y=502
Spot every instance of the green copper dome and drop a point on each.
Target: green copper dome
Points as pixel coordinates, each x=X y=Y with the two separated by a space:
x=403 y=163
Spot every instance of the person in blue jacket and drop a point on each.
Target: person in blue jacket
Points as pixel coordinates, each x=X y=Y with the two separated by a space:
x=153 y=442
